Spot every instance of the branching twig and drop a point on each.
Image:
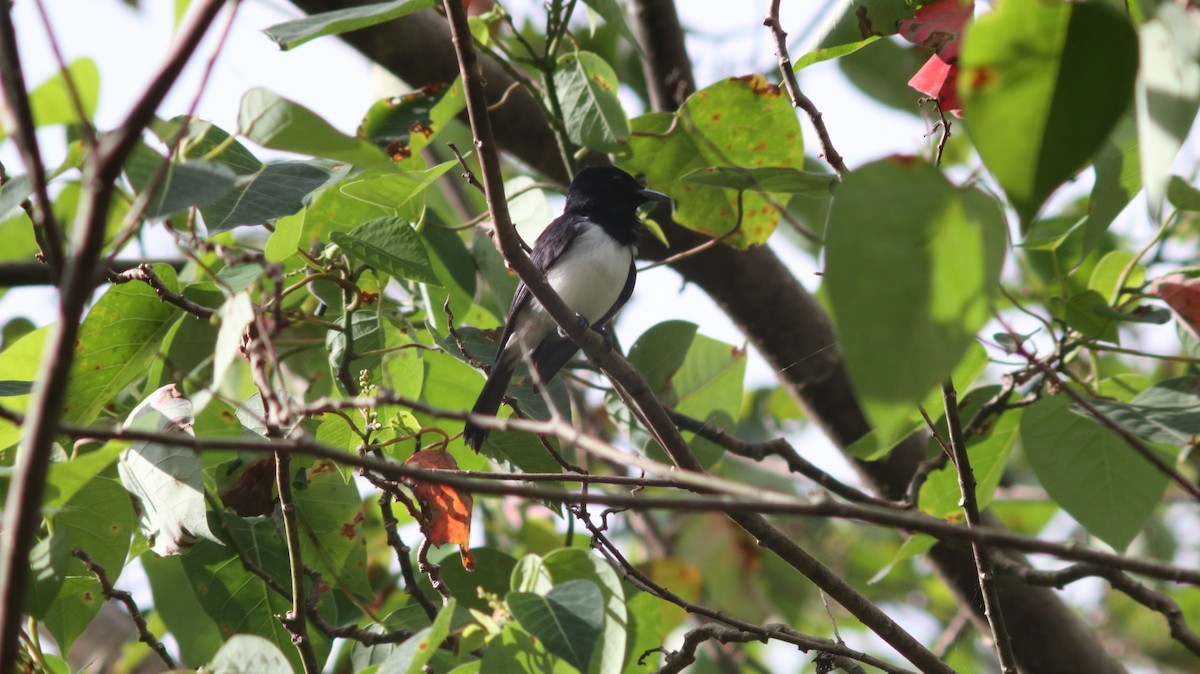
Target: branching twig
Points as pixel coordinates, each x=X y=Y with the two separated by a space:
x=110 y=592
x=1139 y=592
x=145 y=273
x=294 y=621
x=970 y=505
x=402 y=556
x=799 y=100
x=784 y=450
x=1128 y=438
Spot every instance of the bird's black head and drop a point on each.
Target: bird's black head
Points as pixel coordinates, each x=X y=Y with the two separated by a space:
x=608 y=189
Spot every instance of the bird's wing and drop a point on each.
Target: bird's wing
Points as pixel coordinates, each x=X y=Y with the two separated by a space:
x=550 y=245
x=626 y=293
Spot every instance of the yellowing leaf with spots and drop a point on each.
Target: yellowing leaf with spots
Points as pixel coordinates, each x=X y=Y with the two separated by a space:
x=744 y=122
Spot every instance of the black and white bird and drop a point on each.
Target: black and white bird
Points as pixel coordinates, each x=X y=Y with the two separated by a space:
x=587 y=255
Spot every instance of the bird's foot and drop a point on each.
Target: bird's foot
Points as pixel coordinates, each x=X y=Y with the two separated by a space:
x=583 y=325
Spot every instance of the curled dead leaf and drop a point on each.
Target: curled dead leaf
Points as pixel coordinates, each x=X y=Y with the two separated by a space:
x=447 y=511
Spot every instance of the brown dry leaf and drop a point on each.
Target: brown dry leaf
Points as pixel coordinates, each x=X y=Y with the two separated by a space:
x=253 y=493
x=1182 y=294
x=447 y=510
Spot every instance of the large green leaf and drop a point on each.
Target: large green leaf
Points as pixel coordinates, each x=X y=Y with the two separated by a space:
x=19 y=362
x=117 y=342
x=1043 y=83
x=295 y=33
x=329 y=511
x=391 y=246
x=275 y=122
x=1168 y=92
x=572 y=564
x=51 y=101
x=1168 y=412
x=405 y=125
x=912 y=265
x=90 y=512
x=567 y=619
x=1118 y=180
x=181 y=184
x=272 y=192
x=1089 y=471
x=738 y=122
x=587 y=91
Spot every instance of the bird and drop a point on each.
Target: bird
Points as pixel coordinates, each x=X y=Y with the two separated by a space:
x=587 y=255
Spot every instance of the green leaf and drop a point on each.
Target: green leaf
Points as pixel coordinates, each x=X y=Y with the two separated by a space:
x=329 y=512
x=492 y=575
x=291 y=34
x=515 y=652
x=1043 y=84
x=176 y=604
x=824 y=54
x=369 y=195
x=182 y=185
x=205 y=138
x=275 y=122
x=117 y=342
x=236 y=600
x=12 y=193
x=1168 y=92
x=15 y=388
x=587 y=91
x=660 y=351
x=91 y=512
x=775 y=179
x=862 y=19
x=739 y=122
x=404 y=125
x=943 y=248
x=1107 y=274
x=20 y=362
x=249 y=654
x=275 y=190
x=51 y=100
x=1183 y=195
x=571 y=564
x=614 y=15
x=412 y=655
x=391 y=246
x=1082 y=313
x=567 y=620
x=1118 y=180
x=882 y=70
x=1167 y=413
x=1089 y=471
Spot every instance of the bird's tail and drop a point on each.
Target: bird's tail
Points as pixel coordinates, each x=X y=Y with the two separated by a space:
x=488 y=402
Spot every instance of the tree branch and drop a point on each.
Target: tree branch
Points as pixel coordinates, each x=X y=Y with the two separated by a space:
x=144 y=634
x=22 y=514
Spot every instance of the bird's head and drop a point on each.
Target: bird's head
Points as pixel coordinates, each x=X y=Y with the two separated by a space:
x=608 y=188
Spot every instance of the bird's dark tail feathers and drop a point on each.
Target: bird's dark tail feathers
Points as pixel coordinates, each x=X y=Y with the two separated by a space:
x=488 y=402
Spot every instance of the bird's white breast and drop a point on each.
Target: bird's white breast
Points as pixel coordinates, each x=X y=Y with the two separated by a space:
x=590 y=275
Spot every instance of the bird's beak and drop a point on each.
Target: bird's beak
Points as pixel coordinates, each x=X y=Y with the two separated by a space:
x=651 y=195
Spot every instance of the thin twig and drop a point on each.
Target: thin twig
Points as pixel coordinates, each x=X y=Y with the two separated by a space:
x=784 y=450
x=144 y=634
x=1129 y=439
x=15 y=96
x=983 y=559
x=145 y=273
x=402 y=556
x=799 y=100
x=820 y=508
x=1139 y=592
x=294 y=621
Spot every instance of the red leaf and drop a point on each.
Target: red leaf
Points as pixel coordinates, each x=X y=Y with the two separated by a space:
x=1182 y=294
x=447 y=510
x=939 y=25
x=938 y=79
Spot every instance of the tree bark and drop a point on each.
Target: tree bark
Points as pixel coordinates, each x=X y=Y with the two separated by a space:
x=759 y=293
